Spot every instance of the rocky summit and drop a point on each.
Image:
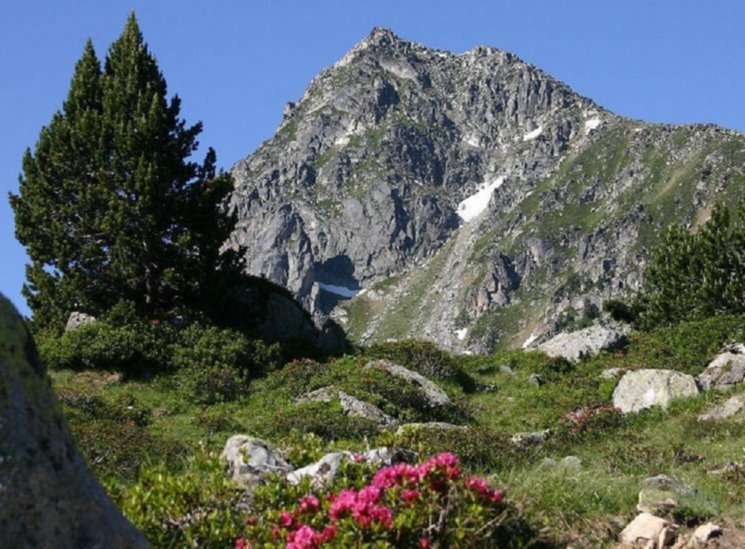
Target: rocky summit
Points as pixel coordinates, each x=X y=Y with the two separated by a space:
x=466 y=198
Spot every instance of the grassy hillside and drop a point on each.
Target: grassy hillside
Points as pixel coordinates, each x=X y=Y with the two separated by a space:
x=156 y=450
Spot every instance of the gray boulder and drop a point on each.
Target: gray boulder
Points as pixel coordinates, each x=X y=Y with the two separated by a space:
x=431 y=391
x=322 y=471
x=642 y=389
x=583 y=343
x=78 y=319
x=250 y=459
x=48 y=497
x=726 y=370
x=324 y=394
x=647 y=530
x=357 y=408
x=730 y=408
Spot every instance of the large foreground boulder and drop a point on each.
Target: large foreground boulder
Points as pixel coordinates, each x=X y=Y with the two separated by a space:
x=583 y=343
x=642 y=389
x=48 y=497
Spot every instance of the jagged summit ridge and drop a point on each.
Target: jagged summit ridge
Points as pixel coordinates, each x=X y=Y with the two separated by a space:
x=370 y=175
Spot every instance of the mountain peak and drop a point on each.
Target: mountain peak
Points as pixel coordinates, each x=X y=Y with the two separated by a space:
x=381 y=36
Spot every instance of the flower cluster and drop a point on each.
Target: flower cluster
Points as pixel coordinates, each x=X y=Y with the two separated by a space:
x=393 y=506
x=581 y=420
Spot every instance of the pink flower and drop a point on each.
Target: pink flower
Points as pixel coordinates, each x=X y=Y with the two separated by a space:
x=286 y=519
x=383 y=515
x=308 y=504
x=369 y=494
x=480 y=486
x=302 y=538
x=328 y=534
x=342 y=503
x=410 y=495
x=241 y=543
x=425 y=543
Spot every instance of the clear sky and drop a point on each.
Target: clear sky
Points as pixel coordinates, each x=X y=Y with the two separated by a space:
x=235 y=63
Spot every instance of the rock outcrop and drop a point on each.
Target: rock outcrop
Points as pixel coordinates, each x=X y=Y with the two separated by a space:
x=642 y=389
x=583 y=343
x=465 y=198
x=726 y=370
x=48 y=497
x=249 y=460
x=429 y=389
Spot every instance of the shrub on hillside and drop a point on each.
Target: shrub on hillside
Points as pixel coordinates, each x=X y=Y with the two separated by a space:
x=419 y=355
x=132 y=349
x=326 y=420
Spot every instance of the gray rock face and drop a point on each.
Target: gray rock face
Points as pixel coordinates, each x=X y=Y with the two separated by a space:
x=250 y=459
x=642 y=389
x=434 y=395
x=48 y=497
x=583 y=343
x=726 y=370
x=432 y=180
x=385 y=457
x=78 y=319
x=357 y=408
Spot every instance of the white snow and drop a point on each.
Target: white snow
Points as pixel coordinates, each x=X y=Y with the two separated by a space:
x=461 y=333
x=472 y=140
x=479 y=201
x=530 y=340
x=342 y=291
x=532 y=135
x=591 y=124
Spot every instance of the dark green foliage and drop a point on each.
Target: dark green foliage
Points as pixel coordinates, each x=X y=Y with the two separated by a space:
x=696 y=275
x=419 y=355
x=133 y=348
x=620 y=311
x=110 y=207
x=113 y=436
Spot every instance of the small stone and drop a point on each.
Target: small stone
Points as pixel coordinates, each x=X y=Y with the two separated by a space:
x=645 y=528
x=322 y=471
x=661 y=494
x=547 y=463
x=357 y=408
x=537 y=380
x=506 y=370
x=250 y=459
x=530 y=438
x=77 y=320
x=324 y=394
x=571 y=462
x=385 y=457
x=612 y=373
x=706 y=532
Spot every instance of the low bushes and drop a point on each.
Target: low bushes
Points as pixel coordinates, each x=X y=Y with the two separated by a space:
x=418 y=355
x=434 y=503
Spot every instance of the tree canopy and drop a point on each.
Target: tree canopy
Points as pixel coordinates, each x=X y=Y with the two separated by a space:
x=111 y=207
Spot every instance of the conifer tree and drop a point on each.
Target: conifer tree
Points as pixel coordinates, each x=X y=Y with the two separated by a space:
x=110 y=206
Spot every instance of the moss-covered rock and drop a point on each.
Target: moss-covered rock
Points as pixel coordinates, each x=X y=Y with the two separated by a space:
x=48 y=497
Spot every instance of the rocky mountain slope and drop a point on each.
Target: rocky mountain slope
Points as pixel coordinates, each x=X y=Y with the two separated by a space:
x=469 y=199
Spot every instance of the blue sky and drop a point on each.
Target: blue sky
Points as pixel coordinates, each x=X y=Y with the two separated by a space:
x=236 y=63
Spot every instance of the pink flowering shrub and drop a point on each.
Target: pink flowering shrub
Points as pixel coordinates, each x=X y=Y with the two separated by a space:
x=584 y=420
x=430 y=504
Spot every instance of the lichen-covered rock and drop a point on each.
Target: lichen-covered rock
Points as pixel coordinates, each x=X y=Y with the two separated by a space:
x=48 y=497
x=530 y=438
x=357 y=408
x=429 y=426
x=250 y=460
x=642 y=389
x=432 y=392
x=384 y=457
x=324 y=394
x=726 y=370
x=588 y=342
